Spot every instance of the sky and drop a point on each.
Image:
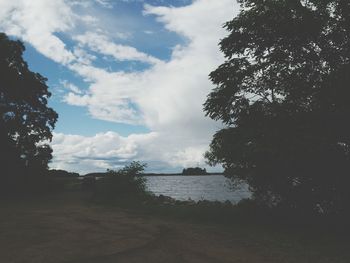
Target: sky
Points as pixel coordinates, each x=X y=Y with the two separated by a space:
x=128 y=77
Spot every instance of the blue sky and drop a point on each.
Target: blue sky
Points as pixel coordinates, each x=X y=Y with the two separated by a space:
x=73 y=119
x=128 y=77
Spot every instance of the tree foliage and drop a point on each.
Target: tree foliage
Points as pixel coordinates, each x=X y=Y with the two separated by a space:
x=194 y=171
x=26 y=121
x=283 y=93
x=126 y=182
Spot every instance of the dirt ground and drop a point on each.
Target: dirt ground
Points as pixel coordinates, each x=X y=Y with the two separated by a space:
x=67 y=229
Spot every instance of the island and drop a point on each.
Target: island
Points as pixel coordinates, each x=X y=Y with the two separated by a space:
x=194 y=171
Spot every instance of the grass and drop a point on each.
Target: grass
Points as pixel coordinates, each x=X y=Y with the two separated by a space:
x=116 y=220
x=75 y=225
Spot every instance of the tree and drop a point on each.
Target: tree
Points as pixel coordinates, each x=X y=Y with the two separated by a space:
x=283 y=93
x=194 y=171
x=126 y=182
x=26 y=121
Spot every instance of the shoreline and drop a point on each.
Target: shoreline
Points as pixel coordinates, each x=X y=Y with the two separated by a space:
x=155 y=174
x=180 y=174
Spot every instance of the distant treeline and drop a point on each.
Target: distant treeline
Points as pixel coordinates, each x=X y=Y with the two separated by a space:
x=96 y=174
x=194 y=171
x=179 y=174
x=185 y=171
x=62 y=173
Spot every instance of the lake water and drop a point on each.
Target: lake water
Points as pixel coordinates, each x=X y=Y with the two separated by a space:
x=206 y=187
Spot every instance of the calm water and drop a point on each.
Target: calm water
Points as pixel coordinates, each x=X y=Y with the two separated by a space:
x=208 y=187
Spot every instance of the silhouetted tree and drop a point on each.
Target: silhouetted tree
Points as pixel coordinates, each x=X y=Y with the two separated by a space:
x=62 y=173
x=26 y=121
x=194 y=171
x=283 y=93
x=126 y=182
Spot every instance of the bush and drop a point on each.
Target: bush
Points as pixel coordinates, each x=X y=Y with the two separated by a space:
x=126 y=183
x=30 y=182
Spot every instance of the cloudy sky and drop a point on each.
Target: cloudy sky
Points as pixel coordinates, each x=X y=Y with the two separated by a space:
x=128 y=77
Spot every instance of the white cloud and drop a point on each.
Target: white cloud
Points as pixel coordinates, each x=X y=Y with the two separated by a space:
x=71 y=87
x=173 y=91
x=105 y=3
x=89 y=3
x=100 y=43
x=170 y=94
x=37 y=22
x=110 y=150
x=167 y=97
x=99 y=152
x=83 y=57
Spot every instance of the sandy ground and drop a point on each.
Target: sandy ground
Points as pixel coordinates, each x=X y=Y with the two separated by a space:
x=67 y=229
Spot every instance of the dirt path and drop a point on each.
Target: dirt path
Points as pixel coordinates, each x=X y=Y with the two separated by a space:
x=68 y=230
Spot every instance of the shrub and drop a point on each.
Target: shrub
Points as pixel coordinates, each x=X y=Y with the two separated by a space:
x=126 y=183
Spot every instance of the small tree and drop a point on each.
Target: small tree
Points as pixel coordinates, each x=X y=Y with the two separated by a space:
x=26 y=121
x=283 y=93
x=124 y=183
